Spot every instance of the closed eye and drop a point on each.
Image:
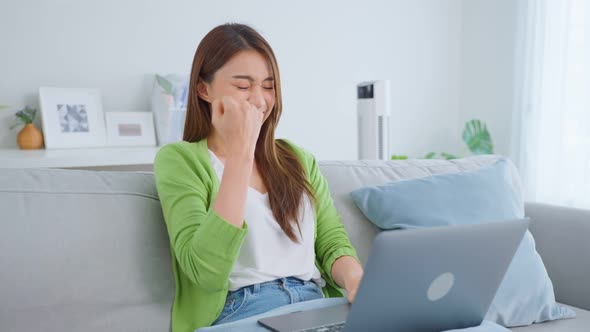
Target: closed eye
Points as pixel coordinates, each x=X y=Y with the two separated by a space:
x=246 y=88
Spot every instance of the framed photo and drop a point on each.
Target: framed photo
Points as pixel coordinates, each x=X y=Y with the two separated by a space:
x=72 y=118
x=130 y=129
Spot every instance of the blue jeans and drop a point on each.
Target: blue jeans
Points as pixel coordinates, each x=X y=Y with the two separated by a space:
x=259 y=298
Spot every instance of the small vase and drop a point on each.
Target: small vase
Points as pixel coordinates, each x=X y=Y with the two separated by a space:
x=29 y=138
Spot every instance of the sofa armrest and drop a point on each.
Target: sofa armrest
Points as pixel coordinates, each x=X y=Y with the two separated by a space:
x=562 y=235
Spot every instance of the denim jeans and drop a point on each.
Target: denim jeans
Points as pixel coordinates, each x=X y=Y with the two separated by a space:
x=259 y=298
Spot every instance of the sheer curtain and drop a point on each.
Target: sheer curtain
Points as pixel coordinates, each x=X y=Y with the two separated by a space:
x=552 y=119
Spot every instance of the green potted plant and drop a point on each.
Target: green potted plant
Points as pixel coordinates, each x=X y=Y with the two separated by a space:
x=477 y=138
x=29 y=136
x=475 y=135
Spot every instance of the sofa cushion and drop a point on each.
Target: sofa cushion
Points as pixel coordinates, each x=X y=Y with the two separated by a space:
x=83 y=251
x=579 y=324
x=484 y=195
x=346 y=176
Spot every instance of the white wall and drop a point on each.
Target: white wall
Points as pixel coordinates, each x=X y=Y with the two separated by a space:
x=324 y=49
x=487 y=69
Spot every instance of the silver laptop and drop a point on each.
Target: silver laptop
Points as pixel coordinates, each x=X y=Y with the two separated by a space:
x=432 y=279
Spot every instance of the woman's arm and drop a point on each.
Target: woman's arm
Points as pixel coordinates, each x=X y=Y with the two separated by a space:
x=230 y=202
x=347 y=273
x=204 y=243
x=333 y=247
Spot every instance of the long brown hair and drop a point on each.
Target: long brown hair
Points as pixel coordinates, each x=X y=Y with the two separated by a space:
x=282 y=172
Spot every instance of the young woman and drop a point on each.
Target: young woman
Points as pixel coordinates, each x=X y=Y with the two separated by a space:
x=251 y=222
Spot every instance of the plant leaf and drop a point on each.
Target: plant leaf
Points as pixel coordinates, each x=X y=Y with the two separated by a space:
x=430 y=155
x=448 y=156
x=26 y=115
x=164 y=84
x=32 y=112
x=477 y=137
x=23 y=116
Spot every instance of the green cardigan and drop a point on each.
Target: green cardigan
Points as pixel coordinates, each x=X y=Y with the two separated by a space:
x=205 y=247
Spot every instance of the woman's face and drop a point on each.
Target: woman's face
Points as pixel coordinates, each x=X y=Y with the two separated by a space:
x=246 y=76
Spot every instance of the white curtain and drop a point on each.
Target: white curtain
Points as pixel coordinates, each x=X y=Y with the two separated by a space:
x=552 y=119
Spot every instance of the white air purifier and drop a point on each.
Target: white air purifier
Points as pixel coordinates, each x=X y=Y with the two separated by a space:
x=373 y=107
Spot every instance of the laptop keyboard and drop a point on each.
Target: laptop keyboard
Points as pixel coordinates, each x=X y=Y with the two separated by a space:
x=327 y=328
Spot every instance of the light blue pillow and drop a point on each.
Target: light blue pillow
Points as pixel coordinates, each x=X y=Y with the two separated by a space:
x=488 y=194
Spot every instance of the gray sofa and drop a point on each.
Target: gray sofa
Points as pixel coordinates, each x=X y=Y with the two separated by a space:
x=88 y=250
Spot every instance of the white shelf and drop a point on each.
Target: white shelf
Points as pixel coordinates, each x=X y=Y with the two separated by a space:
x=87 y=157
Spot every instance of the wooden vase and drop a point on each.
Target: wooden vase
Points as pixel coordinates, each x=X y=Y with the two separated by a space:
x=29 y=138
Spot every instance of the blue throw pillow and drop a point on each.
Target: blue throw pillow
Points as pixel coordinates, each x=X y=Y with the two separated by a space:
x=488 y=194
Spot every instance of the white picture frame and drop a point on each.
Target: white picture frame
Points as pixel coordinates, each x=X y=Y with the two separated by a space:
x=72 y=118
x=130 y=129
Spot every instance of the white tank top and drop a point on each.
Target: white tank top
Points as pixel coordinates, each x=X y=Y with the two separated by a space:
x=267 y=253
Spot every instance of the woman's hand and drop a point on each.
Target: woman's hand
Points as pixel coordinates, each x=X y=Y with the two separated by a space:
x=238 y=123
x=347 y=272
x=351 y=287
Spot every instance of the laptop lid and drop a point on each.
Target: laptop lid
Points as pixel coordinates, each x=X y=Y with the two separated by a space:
x=434 y=279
